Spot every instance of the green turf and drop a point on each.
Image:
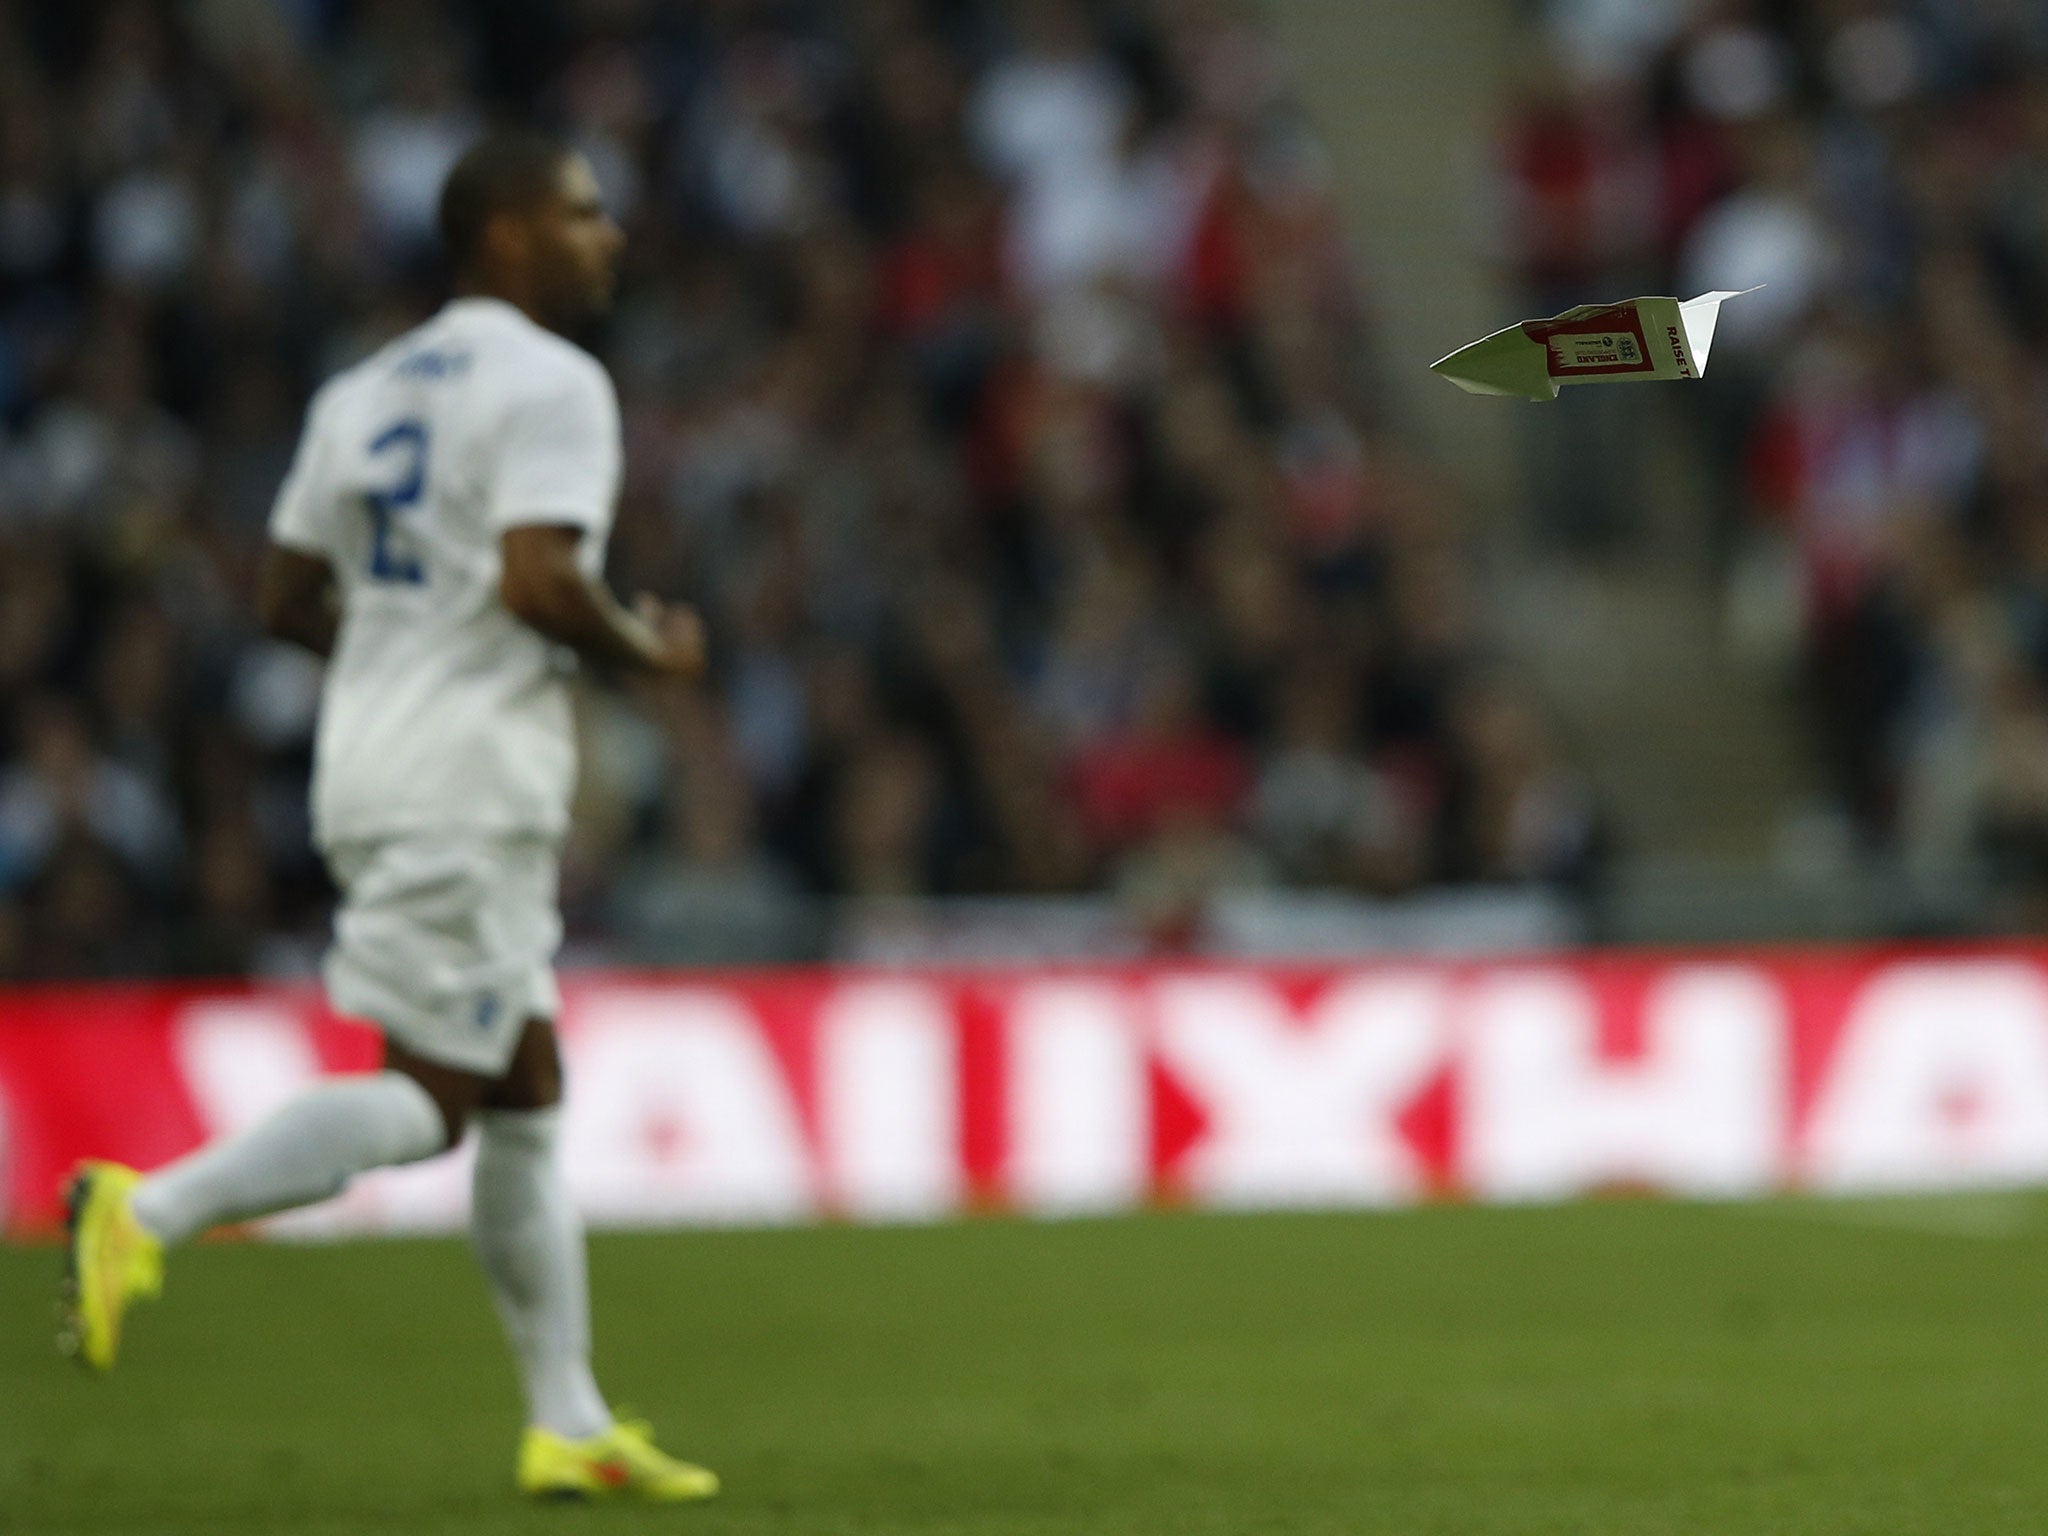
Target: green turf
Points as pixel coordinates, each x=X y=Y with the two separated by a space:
x=1610 y=1370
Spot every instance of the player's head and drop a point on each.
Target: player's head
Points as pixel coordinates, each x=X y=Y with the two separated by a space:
x=522 y=219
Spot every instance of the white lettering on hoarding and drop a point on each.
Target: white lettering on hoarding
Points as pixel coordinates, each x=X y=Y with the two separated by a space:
x=680 y=1109
x=1940 y=1079
x=241 y=1059
x=889 y=1102
x=677 y=1110
x=1302 y=1111
x=1702 y=1112
x=1077 y=1118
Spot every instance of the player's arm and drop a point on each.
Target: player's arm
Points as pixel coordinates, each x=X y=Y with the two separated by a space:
x=555 y=475
x=543 y=586
x=296 y=598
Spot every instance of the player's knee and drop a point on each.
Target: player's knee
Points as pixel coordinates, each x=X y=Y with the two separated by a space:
x=455 y=1113
x=545 y=1089
x=534 y=1078
x=456 y=1095
x=456 y=1107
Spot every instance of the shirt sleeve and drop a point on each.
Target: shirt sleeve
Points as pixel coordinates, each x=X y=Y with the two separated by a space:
x=299 y=518
x=559 y=452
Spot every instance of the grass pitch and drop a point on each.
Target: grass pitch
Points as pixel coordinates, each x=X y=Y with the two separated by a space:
x=1607 y=1370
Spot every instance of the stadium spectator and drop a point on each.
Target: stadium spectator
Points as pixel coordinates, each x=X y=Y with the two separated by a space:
x=1876 y=414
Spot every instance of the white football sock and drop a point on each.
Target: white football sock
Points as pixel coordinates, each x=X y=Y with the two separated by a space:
x=305 y=1152
x=530 y=1242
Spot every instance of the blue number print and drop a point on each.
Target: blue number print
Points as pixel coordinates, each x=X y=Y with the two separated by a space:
x=408 y=439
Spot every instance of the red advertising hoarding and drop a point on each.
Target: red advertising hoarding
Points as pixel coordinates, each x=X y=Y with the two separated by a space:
x=887 y=1095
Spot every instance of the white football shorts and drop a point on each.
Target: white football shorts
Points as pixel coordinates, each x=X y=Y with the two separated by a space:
x=446 y=943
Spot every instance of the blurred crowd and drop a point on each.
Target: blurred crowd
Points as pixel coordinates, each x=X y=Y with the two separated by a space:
x=1875 y=421
x=992 y=375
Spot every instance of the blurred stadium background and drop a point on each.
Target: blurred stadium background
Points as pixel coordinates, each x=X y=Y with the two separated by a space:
x=1033 y=395
x=997 y=377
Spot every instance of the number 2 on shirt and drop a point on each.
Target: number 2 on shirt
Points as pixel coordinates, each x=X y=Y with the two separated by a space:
x=406 y=443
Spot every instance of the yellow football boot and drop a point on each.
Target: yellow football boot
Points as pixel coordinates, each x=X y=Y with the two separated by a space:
x=621 y=1463
x=112 y=1261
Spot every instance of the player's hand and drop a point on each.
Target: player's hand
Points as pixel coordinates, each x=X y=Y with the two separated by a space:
x=682 y=647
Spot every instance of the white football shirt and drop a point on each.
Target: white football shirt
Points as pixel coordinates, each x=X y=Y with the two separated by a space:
x=442 y=712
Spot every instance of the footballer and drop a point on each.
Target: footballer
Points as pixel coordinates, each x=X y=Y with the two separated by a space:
x=440 y=540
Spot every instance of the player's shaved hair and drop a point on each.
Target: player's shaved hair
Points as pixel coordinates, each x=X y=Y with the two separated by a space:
x=506 y=171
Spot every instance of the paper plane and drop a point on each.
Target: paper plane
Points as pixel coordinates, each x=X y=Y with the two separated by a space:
x=1626 y=343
